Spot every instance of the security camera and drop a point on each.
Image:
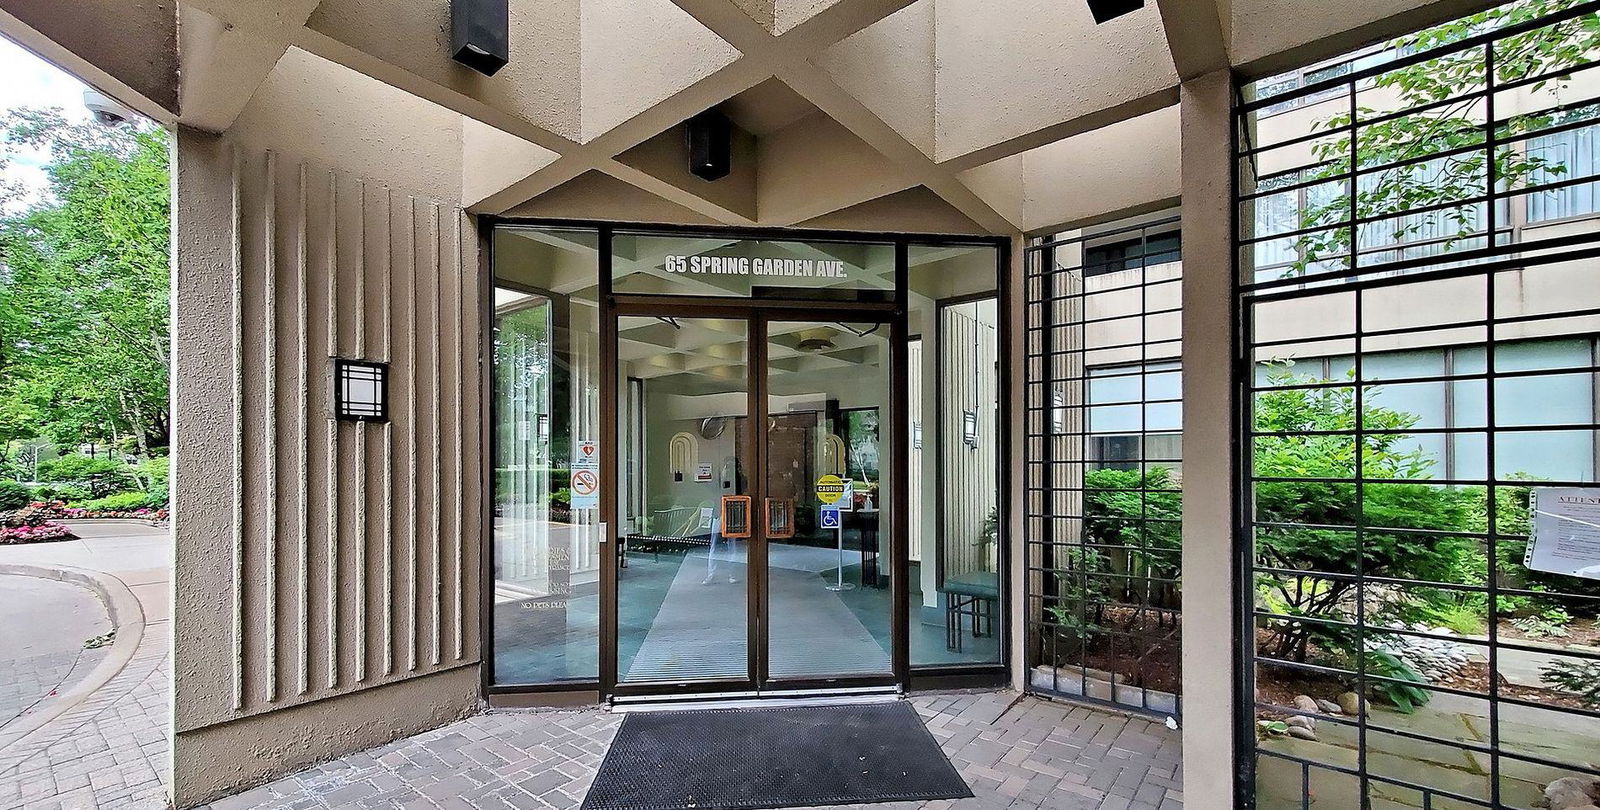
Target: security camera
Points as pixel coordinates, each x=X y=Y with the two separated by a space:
x=106 y=110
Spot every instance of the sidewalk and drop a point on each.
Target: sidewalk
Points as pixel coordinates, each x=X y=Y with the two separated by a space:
x=104 y=746
x=1019 y=753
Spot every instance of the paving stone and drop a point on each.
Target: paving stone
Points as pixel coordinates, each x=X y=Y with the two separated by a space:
x=1017 y=754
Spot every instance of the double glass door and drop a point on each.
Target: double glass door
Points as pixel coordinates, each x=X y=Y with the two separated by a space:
x=755 y=477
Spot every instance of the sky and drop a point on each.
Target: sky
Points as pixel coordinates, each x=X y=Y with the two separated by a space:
x=33 y=82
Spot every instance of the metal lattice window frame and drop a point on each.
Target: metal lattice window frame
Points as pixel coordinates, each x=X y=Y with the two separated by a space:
x=1370 y=287
x=1103 y=618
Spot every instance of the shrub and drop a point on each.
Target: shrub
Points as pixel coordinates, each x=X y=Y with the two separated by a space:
x=1314 y=520
x=43 y=533
x=100 y=476
x=153 y=473
x=1579 y=677
x=1398 y=691
x=120 y=502
x=30 y=525
x=59 y=493
x=14 y=495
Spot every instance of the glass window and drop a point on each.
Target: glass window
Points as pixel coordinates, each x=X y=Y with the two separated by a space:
x=957 y=535
x=653 y=264
x=1562 y=157
x=1131 y=254
x=546 y=399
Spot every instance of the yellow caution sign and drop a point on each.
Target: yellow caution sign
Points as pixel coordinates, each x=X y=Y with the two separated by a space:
x=830 y=488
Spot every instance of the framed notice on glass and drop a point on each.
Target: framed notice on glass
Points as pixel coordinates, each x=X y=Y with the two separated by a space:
x=1566 y=532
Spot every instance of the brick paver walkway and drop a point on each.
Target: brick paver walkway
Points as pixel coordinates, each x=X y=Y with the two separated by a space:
x=108 y=752
x=1015 y=752
x=45 y=624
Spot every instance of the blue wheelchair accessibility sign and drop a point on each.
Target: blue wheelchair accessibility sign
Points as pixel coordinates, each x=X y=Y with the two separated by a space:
x=830 y=518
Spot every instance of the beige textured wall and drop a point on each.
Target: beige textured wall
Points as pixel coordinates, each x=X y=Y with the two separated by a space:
x=636 y=53
x=1273 y=35
x=539 y=85
x=1009 y=67
x=317 y=558
x=78 y=35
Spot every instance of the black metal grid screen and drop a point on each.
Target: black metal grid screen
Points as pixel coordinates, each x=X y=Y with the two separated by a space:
x=1103 y=467
x=1419 y=306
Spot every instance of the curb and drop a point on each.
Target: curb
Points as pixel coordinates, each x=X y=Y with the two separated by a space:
x=153 y=524
x=127 y=618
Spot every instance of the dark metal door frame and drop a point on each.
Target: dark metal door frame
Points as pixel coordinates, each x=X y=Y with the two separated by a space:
x=895 y=312
x=758 y=315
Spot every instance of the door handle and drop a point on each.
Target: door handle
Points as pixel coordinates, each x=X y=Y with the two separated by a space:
x=779 y=520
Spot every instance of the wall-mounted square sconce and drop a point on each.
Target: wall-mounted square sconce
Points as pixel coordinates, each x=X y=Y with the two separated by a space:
x=1107 y=10
x=969 y=428
x=361 y=390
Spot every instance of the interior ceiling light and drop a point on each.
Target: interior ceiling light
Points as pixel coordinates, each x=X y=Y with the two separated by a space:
x=814 y=345
x=1107 y=10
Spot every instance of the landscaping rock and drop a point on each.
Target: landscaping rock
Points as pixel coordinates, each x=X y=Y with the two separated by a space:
x=1305 y=703
x=1569 y=792
x=1350 y=703
x=1302 y=733
x=1301 y=721
x=1329 y=707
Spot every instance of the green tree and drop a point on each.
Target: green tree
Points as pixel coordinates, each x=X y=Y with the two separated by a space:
x=84 y=288
x=1308 y=500
x=1421 y=121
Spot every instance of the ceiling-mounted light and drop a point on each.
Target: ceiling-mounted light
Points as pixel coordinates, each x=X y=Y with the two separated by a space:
x=480 y=34
x=710 y=145
x=1106 y=10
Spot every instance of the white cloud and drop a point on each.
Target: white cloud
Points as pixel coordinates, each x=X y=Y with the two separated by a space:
x=33 y=82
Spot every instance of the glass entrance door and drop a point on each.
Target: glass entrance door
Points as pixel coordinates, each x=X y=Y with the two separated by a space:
x=826 y=487
x=752 y=551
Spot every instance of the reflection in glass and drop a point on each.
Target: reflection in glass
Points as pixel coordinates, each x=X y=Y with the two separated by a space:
x=954 y=525
x=545 y=409
x=686 y=502
x=827 y=579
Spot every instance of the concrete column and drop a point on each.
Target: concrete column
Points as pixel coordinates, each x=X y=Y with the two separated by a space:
x=1209 y=436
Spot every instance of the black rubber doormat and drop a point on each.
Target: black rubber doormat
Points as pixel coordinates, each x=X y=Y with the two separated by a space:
x=741 y=759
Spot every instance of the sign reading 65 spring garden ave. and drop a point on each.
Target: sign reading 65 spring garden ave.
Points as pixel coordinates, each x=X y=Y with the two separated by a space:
x=748 y=266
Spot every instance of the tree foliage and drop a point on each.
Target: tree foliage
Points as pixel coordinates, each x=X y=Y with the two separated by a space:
x=1423 y=149
x=84 y=288
x=1318 y=520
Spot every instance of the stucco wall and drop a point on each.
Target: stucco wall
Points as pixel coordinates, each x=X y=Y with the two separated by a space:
x=318 y=559
x=145 y=59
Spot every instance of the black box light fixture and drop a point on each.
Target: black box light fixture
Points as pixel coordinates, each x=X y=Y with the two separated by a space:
x=1107 y=10
x=360 y=390
x=480 y=34
x=710 y=145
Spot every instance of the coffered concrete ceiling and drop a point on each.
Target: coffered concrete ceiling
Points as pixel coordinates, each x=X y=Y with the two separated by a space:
x=997 y=116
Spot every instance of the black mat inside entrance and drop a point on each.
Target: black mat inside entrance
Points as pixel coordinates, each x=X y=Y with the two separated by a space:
x=739 y=759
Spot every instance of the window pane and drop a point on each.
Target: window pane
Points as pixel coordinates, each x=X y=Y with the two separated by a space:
x=652 y=264
x=546 y=401
x=956 y=534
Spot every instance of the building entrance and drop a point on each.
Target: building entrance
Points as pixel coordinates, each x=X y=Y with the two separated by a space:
x=744 y=462
x=756 y=481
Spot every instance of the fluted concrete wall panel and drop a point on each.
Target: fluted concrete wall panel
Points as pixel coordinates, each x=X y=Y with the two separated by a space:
x=319 y=557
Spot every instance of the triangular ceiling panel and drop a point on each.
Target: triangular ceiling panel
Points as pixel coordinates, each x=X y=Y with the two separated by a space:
x=637 y=53
x=594 y=195
x=915 y=210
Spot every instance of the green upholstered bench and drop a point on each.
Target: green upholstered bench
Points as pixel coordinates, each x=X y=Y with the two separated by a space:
x=973 y=594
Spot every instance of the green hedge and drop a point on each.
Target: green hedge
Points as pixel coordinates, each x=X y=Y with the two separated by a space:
x=14 y=495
